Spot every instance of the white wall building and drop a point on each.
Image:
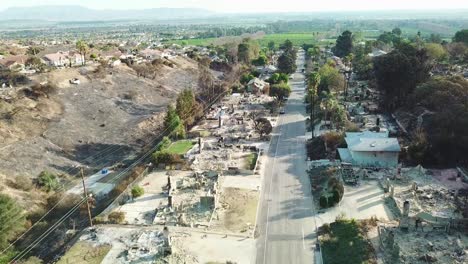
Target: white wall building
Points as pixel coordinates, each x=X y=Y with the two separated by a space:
x=63 y=59
x=370 y=149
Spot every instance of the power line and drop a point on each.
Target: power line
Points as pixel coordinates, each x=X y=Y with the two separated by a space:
x=113 y=179
x=46 y=233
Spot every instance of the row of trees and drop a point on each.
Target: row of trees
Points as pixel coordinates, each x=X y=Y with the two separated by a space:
x=398 y=73
x=403 y=77
x=287 y=60
x=438 y=51
x=185 y=114
x=442 y=138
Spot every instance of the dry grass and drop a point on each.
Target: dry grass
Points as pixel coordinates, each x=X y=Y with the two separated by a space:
x=241 y=208
x=85 y=253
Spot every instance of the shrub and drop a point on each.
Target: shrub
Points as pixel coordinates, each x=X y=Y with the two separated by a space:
x=323 y=201
x=12 y=219
x=44 y=89
x=116 y=217
x=65 y=202
x=246 y=77
x=337 y=190
x=165 y=157
x=137 y=191
x=333 y=140
x=335 y=197
x=278 y=78
x=162 y=157
x=23 y=183
x=99 y=220
x=351 y=127
x=179 y=132
x=32 y=260
x=281 y=91
x=164 y=144
x=316 y=148
x=48 y=181
x=130 y=95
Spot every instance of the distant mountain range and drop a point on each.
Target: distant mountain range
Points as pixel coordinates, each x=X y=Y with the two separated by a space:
x=80 y=13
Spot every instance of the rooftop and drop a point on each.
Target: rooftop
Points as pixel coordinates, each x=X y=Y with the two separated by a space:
x=371 y=141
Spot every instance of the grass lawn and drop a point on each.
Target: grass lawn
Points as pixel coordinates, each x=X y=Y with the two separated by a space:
x=250 y=161
x=85 y=253
x=344 y=242
x=180 y=147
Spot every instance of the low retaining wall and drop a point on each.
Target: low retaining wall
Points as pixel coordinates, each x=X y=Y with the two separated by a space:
x=124 y=196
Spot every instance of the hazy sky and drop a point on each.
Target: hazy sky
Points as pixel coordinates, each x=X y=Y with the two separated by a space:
x=252 y=5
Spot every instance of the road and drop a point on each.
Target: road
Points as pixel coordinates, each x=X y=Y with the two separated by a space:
x=285 y=220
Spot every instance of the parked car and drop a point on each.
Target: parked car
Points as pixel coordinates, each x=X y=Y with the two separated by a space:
x=75 y=81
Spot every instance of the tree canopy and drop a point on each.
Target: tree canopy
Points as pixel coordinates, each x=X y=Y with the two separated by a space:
x=83 y=49
x=447 y=124
x=263 y=126
x=330 y=78
x=344 y=44
x=281 y=91
x=461 y=36
x=262 y=60
x=399 y=72
x=287 y=63
x=278 y=78
x=287 y=60
x=172 y=119
x=247 y=51
x=12 y=220
x=436 y=52
x=187 y=107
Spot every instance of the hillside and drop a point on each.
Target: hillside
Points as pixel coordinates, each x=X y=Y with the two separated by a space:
x=114 y=115
x=79 y=13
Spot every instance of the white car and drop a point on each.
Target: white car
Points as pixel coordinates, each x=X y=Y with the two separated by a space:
x=75 y=81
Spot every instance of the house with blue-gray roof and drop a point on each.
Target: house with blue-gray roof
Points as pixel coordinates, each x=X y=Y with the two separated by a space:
x=370 y=149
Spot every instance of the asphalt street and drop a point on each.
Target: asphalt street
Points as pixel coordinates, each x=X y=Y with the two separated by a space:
x=285 y=221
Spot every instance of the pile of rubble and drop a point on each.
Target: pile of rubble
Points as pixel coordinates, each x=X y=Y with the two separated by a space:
x=191 y=200
x=416 y=247
x=424 y=193
x=130 y=245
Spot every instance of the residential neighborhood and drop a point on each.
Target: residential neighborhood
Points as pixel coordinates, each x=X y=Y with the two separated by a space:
x=326 y=133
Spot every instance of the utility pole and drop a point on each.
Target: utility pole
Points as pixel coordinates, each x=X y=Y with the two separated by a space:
x=87 y=198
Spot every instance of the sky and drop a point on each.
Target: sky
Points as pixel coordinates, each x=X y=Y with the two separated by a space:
x=253 y=6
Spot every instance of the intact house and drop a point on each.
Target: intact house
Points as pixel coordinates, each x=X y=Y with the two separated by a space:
x=370 y=149
x=62 y=59
x=257 y=86
x=14 y=62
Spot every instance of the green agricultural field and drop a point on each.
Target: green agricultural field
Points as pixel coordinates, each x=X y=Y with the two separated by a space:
x=180 y=147
x=192 y=42
x=296 y=38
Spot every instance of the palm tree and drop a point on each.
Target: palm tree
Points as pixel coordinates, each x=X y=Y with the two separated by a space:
x=82 y=48
x=328 y=102
x=314 y=81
